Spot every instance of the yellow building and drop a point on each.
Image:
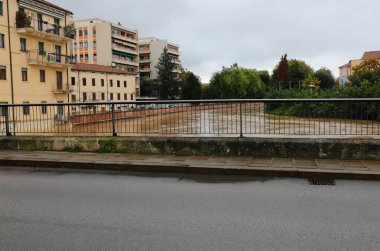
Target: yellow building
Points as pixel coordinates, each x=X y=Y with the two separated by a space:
x=99 y=83
x=347 y=70
x=35 y=38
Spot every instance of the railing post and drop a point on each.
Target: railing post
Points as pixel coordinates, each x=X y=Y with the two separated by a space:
x=241 y=121
x=114 y=133
x=6 y=113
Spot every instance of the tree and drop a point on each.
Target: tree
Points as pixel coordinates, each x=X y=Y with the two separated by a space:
x=280 y=73
x=326 y=78
x=298 y=70
x=148 y=87
x=366 y=66
x=311 y=83
x=235 y=82
x=167 y=80
x=265 y=77
x=191 y=86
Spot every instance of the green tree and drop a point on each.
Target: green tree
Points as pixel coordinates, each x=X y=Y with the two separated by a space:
x=236 y=82
x=265 y=77
x=148 y=87
x=298 y=70
x=167 y=80
x=326 y=78
x=367 y=66
x=191 y=86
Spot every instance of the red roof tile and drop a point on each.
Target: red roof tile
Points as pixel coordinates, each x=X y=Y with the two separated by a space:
x=99 y=68
x=371 y=55
x=54 y=6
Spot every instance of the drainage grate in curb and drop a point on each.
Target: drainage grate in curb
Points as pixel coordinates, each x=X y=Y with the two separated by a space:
x=322 y=182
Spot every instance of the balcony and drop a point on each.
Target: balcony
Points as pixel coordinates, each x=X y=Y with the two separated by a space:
x=145 y=69
x=144 y=51
x=124 y=38
x=64 y=89
x=126 y=61
x=124 y=49
x=176 y=61
x=36 y=57
x=174 y=51
x=142 y=61
x=26 y=25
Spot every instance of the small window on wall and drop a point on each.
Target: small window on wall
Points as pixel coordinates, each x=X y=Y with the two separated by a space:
x=73 y=98
x=125 y=84
x=24 y=74
x=43 y=107
x=111 y=83
x=42 y=76
x=125 y=96
x=93 y=82
x=131 y=96
x=118 y=96
x=102 y=82
x=26 y=109
x=94 y=96
x=23 y=44
x=72 y=80
x=103 y=96
x=1 y=8
x=3 y=72
x=84 y=81
x=2 y=43
x=84 y=96
x=118 y=83
x=111 y=96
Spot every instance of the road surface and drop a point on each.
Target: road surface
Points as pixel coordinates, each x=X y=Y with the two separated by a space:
x=63 y=210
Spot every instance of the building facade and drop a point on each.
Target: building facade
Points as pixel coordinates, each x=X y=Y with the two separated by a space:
x=99 y=83
x=35 y=57
x=118 y=45
x=347 y=70
x=150 y=50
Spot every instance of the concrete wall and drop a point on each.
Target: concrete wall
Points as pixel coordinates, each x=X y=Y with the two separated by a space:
x=253 y=147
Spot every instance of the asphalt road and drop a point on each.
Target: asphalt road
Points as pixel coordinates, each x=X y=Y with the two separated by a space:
x=48 y=210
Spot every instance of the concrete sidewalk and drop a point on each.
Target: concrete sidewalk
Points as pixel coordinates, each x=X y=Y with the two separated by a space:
x=212 y=165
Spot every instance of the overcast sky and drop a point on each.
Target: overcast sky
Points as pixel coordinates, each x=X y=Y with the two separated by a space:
x=252 y=33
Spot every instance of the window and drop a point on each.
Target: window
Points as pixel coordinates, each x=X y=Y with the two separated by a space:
x=84 y=96
x=85 y=56
x=60 y=108
x=24 y=74
x=111 y=83
x=59 y=80
x=72 y=80
x=2 y=45
x=3 y=72
x=73 y=98
x=94 y=31
x=43 y=107
x=84 y=81
x=93 y=82
x=102 y=82
x=111 y=96
x=80 y=33
x=95 y=56
x=131 y=96
x=125 y=96
x=94 y=45
x=23 y=44
x=118 y=83
x=85 y=32
x=125 y=84
x=1 y=8
x=26 y=109
x=41 y=47
x=103 y=96
x=94 y=96
x=42 y=76
x=118 y=96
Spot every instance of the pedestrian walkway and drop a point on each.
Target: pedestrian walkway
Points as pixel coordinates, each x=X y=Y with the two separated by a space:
x=213 y=165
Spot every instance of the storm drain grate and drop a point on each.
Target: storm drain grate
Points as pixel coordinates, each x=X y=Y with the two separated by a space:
x=322 y=182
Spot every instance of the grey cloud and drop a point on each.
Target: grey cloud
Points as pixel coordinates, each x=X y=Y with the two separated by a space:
x=253 y=33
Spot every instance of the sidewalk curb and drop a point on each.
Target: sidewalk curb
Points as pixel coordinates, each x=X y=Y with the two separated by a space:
x=273 y=172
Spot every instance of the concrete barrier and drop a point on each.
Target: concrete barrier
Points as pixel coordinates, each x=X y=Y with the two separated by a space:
x=345 y=148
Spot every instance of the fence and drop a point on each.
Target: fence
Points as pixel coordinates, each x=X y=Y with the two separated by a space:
x=203 y=117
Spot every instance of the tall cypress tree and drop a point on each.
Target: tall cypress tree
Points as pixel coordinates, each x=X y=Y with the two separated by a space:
x=282 y=74
x=167 y=80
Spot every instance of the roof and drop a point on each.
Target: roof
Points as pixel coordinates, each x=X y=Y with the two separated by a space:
x=99 y=68
x=346 y=65
x=371 y=55
x=54 y=6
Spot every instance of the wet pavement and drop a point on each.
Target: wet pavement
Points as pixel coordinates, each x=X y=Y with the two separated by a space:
x=249 y=166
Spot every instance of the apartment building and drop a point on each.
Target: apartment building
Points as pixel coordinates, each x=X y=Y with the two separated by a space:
x=347 y=70
x=99 y=83
x=35 y=36
x=150 y=50
x=116 y=45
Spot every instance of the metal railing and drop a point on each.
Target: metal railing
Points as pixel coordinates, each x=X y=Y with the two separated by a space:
x=38 y=57
x=244 y=118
